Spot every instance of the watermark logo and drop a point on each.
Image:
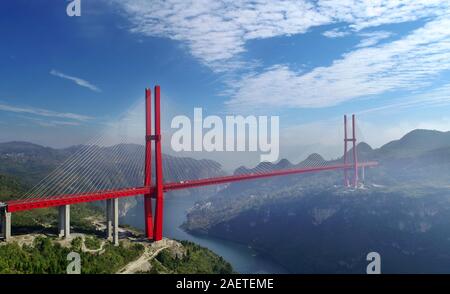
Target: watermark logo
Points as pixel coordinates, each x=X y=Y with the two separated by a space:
x=74 y=8
x=238 y=133
x=374 y=267
x=74 y=267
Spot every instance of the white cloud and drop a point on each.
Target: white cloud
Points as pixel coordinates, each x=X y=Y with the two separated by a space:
x=51 y=123
x=78 y=81
x=215 y=32
x=372 y=38
x=336 y=33
x=411 y=62
x=436 y=97
x=44 y=112
x=361 y=14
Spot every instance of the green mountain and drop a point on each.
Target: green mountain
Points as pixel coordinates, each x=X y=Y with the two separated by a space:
x=310 y=223
x=29 y=161
x=9 y=187
x=415 y=143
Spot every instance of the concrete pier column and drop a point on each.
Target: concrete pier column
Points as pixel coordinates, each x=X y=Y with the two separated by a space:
x=64 y=221
x=61 y=221
x=7 y=226
x=5 y=223
x=109 y=218
x=115 y=210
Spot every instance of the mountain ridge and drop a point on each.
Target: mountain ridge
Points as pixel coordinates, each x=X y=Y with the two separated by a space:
x=317 y=225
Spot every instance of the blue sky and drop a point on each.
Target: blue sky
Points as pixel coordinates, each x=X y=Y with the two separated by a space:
x=62 y=79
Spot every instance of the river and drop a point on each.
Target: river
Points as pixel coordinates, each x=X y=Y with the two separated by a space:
x=243 y=259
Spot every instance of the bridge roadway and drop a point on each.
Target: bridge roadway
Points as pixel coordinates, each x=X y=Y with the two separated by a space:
x=34 y=203
x=111 y=197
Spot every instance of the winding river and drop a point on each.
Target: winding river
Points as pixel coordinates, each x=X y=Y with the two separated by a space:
x=242 y=258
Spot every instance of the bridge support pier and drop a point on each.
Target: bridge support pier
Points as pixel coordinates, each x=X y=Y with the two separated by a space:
x=115 y=221
x=355 y=156
x=64 y=221
x=6 y=224
x=363 y=174
x=109 y=218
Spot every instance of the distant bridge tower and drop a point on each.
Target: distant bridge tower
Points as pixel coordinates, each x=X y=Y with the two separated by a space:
x=354 y=153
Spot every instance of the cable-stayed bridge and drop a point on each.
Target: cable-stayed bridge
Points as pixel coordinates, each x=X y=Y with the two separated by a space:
x=101 y=171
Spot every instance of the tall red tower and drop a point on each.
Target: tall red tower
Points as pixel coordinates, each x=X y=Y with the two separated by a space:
x=159 y=193
x=346 y=183
x=148 y=164
x=153 y=230
x=354 y=152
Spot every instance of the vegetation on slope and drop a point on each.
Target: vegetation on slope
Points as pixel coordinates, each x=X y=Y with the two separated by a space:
x=92 y=243
x=29 y=161
x=195 y=260
x=48 y=257
x=9 y=186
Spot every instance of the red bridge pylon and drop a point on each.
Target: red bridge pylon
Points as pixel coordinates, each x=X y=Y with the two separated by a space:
x=153 y=230
x=354 y=153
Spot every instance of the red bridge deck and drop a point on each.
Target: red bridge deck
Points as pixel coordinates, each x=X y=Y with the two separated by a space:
x=34 y=203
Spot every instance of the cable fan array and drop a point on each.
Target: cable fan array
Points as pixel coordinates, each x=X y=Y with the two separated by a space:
x=93 y=167
x=115 y=161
